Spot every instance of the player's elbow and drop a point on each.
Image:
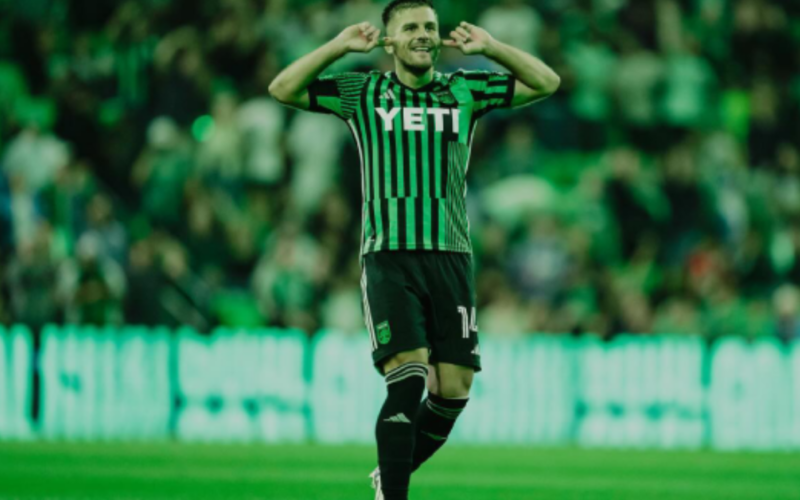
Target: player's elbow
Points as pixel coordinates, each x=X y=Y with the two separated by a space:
x=282 y=93
x=278 y=92
x=551 y=84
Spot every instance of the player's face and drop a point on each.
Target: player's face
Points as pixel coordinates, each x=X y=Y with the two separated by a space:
x=417 y=43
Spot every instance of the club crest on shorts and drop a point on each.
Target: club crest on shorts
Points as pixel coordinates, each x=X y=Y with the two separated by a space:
x=384 y=333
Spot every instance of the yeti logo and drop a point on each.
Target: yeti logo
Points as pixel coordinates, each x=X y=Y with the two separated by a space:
x=415 y=119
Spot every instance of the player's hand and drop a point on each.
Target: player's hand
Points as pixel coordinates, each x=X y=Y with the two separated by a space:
x=362 y=37
x=470 y=39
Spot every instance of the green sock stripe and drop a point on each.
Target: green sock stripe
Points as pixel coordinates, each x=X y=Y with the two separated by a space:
x=445 y=409
x=443 y=415
x=435 y=437
x=405 y=371
x=448 y=413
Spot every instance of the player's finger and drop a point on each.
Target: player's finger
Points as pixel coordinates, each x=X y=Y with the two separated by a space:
x=458 y=36
x=467 y=26
x=369 y=33
x=463 y=32
x=459 y=41
x=450 y=43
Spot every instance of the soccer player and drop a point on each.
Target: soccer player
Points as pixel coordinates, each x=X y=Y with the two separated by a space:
x=414 y=127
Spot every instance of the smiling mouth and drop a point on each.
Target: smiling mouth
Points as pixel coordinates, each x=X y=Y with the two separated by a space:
x=423 y=50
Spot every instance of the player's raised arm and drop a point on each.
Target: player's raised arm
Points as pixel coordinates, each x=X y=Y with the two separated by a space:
x=535 y=79
x=290 y=87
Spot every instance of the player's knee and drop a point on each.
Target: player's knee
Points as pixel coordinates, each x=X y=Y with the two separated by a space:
x=402 y=358
x=456 y=384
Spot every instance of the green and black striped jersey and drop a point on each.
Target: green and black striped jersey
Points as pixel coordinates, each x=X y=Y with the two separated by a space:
x=415 y=149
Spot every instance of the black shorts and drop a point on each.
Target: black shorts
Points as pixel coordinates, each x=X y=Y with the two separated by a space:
x=421 y=299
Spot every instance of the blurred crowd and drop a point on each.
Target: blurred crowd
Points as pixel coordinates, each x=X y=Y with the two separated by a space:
x=147 y=178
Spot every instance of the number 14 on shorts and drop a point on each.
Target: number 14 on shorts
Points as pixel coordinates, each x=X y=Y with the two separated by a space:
x=469 y=321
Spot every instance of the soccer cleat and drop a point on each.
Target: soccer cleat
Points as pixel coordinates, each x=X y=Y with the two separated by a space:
x=376 y=483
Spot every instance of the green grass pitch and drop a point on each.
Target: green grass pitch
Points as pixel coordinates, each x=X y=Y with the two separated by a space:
x=54 y=471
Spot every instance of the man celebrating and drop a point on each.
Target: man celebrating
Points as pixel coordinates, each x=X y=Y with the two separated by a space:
x=414 y=129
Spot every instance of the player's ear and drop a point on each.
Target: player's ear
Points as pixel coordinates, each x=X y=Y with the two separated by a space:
x=387 y=45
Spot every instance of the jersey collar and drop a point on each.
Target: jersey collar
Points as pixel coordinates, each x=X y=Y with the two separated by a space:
x=432 y=85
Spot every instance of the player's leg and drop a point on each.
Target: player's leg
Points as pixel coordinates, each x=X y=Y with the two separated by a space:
x=406 y=374
x=455 y=355
x=395 y=319
x=448 y=394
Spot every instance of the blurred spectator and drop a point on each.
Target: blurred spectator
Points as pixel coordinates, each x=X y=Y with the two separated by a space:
x=21 y=212
x=30 y=276
x=754 y=265
x=103 y=226
x=219 y=157
x=94 y=285
x=34 y=158
x=184 y=297
x=315 y=169
x=635 y=83
x=786 y=304
x=626 y=201
x=183 y=78
x=162 y=170
x=64 y=202
x=787 y=180
x=689 y=91
x=632 y=313
x=341 y=307
x=131 y=34
x=142 y=304
x=357 y=11
x=593 y=63
x=514 y=22
x=686 y=204
x=233 y=39
x=725 y=312
x=677 y=316
x=793 y=273
x=261 y=123
x=766 y=123
x=287 y=278
x=642 y=271
x=204 y=236
x=539 y=264
x=503 y=313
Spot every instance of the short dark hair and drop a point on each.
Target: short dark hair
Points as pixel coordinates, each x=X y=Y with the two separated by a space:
x=397 y=5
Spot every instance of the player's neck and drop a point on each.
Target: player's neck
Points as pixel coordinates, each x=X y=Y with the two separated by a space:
x=411 y=79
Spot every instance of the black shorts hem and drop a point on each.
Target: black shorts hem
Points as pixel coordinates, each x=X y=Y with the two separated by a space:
x=472 y=361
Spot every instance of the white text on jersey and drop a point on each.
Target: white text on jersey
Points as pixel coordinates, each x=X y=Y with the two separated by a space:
x=413 y=118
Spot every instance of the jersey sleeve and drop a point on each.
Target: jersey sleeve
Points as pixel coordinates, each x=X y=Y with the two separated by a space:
x=490 y=90
x=337 y=94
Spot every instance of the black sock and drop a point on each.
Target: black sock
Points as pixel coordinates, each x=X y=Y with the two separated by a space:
x=435 y=419
x=395 y=429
